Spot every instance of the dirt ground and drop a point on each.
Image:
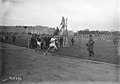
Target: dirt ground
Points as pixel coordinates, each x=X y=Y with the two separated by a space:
x=37 y=68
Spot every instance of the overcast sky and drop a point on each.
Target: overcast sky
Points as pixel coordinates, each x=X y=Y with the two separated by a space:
x=81 y=14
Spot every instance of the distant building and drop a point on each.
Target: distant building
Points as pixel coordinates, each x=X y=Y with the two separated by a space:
x=40 y=30
x=13 y=29
x=27 y=29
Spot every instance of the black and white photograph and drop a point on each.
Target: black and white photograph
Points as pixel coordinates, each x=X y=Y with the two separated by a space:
x=59 y=41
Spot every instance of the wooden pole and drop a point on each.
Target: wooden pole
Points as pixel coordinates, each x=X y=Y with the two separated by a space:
x=67 y=33
x=66 y=27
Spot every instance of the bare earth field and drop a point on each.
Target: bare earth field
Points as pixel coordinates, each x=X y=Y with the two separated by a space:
x=36 y=68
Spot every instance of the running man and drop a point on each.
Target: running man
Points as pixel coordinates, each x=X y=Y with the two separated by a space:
x=52 y=44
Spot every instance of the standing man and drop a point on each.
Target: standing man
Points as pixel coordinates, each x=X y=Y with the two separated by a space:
x=90 y=45
x=2 y=40
x=61 y=41
x=14 y=38
x=72 y=41
x=33 y=42
x=47 y=41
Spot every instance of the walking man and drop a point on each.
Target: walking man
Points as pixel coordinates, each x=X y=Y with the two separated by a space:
x=90 y=45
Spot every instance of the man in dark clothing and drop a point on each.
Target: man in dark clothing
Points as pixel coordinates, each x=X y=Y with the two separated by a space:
x=30 y=46
x=61 y=41
x=42 y=42
x=90 y=46
x=6 y=37
x=49 y=38
x=2 y=40
x=47 y=41
x=72 y=41
x=14 y=38
x=33 y=42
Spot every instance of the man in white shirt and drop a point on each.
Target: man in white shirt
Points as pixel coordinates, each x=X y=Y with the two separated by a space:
x=52 y=44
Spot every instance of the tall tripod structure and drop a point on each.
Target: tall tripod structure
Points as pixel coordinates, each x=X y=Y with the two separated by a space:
x=63 y=27
x=64 y=32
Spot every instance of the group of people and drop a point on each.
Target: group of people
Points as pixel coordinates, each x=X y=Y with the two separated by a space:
x=7 y=36
x=46 y=42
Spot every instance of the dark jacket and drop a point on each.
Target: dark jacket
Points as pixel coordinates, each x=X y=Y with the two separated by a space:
x=90 y=45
